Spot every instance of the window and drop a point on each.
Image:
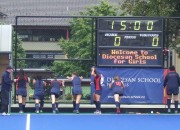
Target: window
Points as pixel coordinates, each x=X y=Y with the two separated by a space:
x=41 y=34
x=50 y=56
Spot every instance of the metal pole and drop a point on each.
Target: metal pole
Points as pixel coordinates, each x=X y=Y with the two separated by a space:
x=170 y=58
x=15 y=62
x=10 y=102
x=167 y=41
x=92 y=39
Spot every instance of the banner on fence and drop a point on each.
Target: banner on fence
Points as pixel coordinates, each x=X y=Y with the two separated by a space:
x=141 y=85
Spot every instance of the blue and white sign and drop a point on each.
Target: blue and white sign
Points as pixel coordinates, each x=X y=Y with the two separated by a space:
x=141 y=85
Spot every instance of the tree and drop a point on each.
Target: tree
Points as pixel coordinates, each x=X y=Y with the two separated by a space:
x=81 y=31
x=163 y=8
x=79 y=46
x=148 y=7
x=20 y=52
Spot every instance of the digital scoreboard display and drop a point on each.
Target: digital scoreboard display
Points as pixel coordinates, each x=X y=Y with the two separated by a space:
x=130 y=42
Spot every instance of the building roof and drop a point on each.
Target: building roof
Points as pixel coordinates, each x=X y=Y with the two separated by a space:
x=2 y=14
x=44 y=8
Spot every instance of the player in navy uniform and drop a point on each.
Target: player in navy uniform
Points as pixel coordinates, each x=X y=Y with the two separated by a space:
x=76 y=91
x=172 y=82
x=118 y=88
x=39 y=86
x=98 y=90
x=56 y=91
x=5 y=89
x=21 y=92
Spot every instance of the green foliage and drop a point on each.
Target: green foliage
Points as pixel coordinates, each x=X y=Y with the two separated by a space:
x=148 y=8
x=79 y=46
x=68 y=96
x=176 y=46
x=20 y=51
x=87 y=96
x=163 y=8
x=104 y=9
x=68 y=67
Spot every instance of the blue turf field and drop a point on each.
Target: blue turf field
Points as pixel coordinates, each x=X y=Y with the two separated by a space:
x=90 y=122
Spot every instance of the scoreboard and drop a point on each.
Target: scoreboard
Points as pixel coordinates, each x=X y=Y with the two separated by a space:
x=130 y=42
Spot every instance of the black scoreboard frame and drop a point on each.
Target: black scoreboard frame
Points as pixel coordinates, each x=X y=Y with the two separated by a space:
x=122 y=41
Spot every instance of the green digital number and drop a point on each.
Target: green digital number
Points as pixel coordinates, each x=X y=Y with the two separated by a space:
x=150 y=25
x=123 y=25
x=155 y=41
x=117 y=41
x=137 y=25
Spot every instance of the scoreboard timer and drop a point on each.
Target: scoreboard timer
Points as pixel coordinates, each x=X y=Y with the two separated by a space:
x=133 y=42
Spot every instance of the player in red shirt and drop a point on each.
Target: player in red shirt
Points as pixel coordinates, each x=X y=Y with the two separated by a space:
x=98 y=90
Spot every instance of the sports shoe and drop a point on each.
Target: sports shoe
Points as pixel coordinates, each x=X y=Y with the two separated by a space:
x=7 y=114
x=37 y=112
x=76 y=111
x=41 y=111
x=4 y=113
x=175 y=112
x=57 y=111
x=97 y=112
x=54 y=112
x=21 y=112
x=169 y=110
x=118 y=111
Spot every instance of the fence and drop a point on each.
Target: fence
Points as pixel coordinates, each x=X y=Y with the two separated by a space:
x=42 y=36
x=43 y=55
x=66 y=96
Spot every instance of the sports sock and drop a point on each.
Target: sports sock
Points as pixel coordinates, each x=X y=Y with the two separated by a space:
x=54 y=106
x=37 y=106
x=117 y=104
x=41 y=104
x=23 y=107
x=95 y=102
x=74 y=105
x=20 y=107
x=169 y=103
x=57 y=105
x=99 y=105
x=176 y=105
x=77 y=106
